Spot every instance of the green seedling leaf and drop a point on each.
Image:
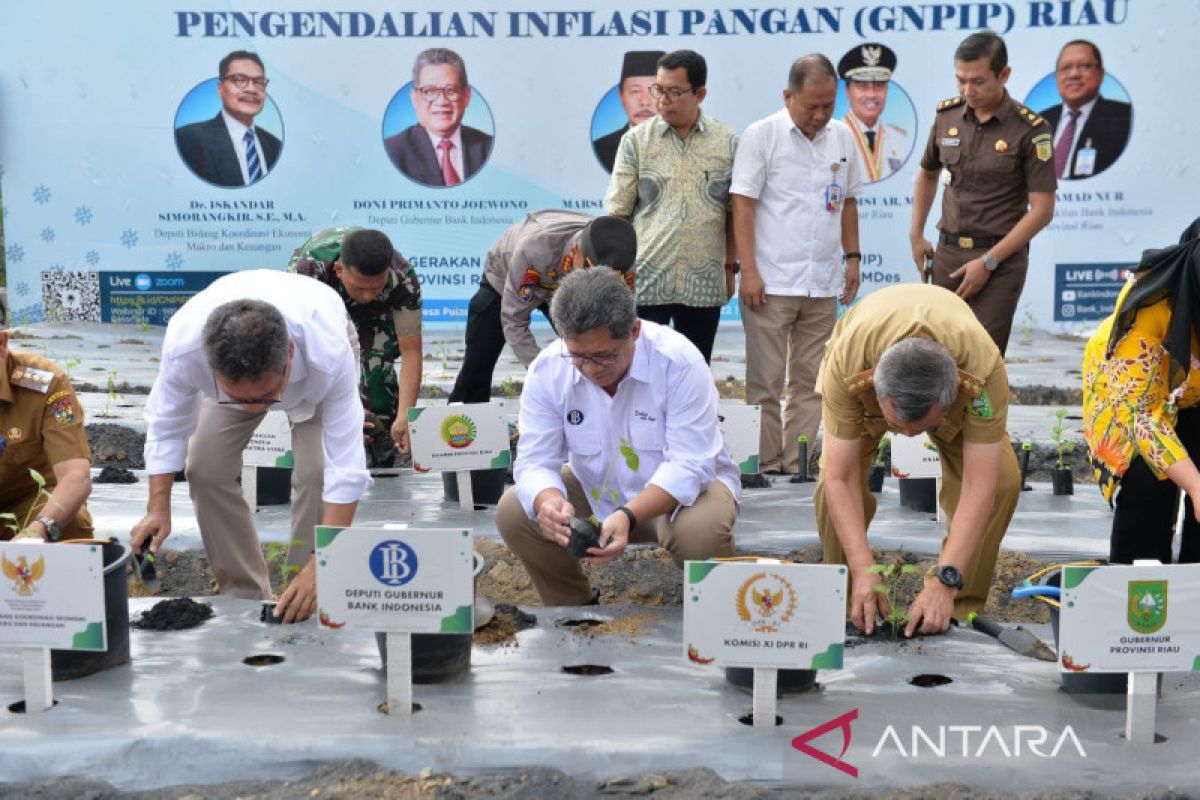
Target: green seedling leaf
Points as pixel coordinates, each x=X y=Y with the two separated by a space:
x=879 y=569
x=595 y=493
x=909 y=569
x=37 y=478
x=615 y=497
x=631 y=457
x=879 y=587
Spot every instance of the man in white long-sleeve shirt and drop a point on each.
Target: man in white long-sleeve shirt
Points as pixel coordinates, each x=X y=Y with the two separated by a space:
x=619 y=420
x=250 y=342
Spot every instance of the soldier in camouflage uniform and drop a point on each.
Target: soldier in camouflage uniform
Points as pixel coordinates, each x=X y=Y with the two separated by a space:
x=383 y=300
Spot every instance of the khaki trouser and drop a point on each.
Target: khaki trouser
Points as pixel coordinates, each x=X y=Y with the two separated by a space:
x=996 y=303
x=785 y=340
x=699 y=531
x=78 y=528
x=214 y=464
x=977 y=578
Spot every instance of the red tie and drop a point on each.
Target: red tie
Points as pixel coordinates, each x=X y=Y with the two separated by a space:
x=449 y=176
x=1062 y=153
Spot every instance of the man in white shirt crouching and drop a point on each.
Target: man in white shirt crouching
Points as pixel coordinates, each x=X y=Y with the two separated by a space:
x=619 y=421
x=250 y=342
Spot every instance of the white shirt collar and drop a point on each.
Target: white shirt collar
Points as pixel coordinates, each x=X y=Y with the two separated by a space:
x=236 y=129
x=436 y=139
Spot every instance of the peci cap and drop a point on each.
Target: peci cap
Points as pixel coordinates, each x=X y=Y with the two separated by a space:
x=610 y=241
x=639 y=63
x=870 y=62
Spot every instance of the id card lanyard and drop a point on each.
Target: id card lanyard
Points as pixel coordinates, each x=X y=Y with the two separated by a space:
x=833 y=192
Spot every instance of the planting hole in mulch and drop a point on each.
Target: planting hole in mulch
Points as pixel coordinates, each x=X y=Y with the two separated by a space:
x=588 y=669
x=383 y=708
x=927 y=681
x=748 y=719
x=262 y=660
x=19 y=707
x=578 y=623
x=176 y=614
x=1158 y=737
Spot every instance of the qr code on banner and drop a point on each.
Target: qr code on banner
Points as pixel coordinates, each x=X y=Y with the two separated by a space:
x=71 y=296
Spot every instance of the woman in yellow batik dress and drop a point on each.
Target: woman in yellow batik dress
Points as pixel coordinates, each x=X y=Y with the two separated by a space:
x=1141 y=405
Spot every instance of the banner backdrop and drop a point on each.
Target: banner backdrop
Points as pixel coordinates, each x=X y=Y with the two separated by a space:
x=115 y=162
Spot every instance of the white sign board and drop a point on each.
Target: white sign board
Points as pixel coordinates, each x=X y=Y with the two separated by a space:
x=1130 y=619
x=739 y=614
x=271 y=444
x=740 y=423
x=459 y=437
x=915 y=457
x=380 y=579
x=52 y=596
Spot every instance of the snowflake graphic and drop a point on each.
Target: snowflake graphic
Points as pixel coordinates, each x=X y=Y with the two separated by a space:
x=22 y=289
x=57 y=268
x=47 y=235
x=15 y=253
x=129 y=237
x=83 y=215
x=174 y=261
x=41 y=194
x=92 y=258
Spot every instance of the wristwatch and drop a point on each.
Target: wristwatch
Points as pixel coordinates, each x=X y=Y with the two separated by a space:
x=989 y=262
x=734 y=266
x=629 y=513
x=947 y=575
x=53 y=531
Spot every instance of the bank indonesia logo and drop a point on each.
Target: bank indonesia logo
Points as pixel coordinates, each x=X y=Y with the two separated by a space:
x=393 y=563
x=142 y=282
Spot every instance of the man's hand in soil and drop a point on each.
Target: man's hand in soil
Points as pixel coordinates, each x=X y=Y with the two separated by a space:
x=154 y=527
x=614 y=538
x=554 y=516
x=931 y=609
x=299 y=600
x=400 y=433
x=866 y=603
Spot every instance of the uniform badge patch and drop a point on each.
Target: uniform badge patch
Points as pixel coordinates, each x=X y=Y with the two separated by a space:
x=1045 y=150
x=530 y=279
x=981 y=406
x=63 y=411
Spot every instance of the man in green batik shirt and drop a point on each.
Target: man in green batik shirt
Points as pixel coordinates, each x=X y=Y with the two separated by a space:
x=383 y=300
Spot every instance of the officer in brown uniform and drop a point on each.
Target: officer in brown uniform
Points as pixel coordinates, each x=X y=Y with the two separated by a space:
x=41 y=429
x=912 y=359
x=995 y=159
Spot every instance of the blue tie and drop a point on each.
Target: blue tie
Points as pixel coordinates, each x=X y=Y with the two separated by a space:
x=253 y=168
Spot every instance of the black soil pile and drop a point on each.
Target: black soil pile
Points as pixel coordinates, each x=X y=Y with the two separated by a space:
x=111 y=474
x=116 y=445
x=503 y=627
x=177 y=614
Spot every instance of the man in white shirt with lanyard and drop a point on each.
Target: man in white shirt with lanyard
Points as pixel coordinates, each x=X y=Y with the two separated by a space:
x=619 y=421
x=795 y=180
x=250 y=342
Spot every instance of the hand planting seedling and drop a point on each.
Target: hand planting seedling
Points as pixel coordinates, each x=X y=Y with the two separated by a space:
x=585 y=533
x=20 y=528
x=893 y=584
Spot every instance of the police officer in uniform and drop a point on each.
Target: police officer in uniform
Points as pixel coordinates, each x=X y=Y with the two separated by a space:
x=912 y=359
x=41 y=429
x=882 y=148
x=995 y=160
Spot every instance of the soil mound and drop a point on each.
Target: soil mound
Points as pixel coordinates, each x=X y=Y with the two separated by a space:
x=177 y=614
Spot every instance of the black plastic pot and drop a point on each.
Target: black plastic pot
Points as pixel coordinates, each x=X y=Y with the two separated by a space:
x=787 y=681
x=875 y=478
x=1083 y=682
x=274 y=486
x=584 y=535
x=486 y=485
x=1063 y=481
x=919 y=494
x=66 y=665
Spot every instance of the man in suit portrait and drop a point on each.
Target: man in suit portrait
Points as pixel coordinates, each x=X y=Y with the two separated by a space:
x=637 y=73
x=880 y=147
x=1090 y=136
x=439 y=150
x=229 y=149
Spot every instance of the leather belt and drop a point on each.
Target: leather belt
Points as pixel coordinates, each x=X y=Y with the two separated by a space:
x=970 y=242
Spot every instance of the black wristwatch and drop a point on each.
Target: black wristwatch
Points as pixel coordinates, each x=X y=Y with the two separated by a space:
x=948 y=576
x=632 y=517
x=735 y=267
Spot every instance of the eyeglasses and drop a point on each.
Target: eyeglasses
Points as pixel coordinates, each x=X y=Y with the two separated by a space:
x=241 y=81
x=601 y=360
x=225 y=400
x=672 y=93
x=431 y=93
x=1086 y=67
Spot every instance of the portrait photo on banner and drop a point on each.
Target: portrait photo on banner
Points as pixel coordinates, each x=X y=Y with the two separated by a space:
x=1089 y=110
x=880 y=114
x=227 y=128
x=438 y=130
x=624 y=105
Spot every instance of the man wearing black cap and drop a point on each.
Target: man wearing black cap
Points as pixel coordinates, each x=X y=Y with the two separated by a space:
x=882 y=147
x=637 y=73
x=520 y=273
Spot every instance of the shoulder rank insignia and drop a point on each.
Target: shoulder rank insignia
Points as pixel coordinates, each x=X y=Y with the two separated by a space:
x=950 y=103
x=862 y=381
x=29 y=378
x=969 y=384
x=1030 y=117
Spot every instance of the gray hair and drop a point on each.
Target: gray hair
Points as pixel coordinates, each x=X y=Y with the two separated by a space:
x=914 y=374
x=245 y=340
x=439 y=55
x=587 y=299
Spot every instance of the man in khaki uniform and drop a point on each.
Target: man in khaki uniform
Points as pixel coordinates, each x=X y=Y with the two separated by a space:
x=995 y=160
x=912 y=359
x=41 y=429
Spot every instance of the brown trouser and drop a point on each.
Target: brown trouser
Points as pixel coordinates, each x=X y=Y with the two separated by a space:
x=699 y=531
x=214 y=464
x=78 y=528
x=977 y=577
x=996 y=303
x=785 y=339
